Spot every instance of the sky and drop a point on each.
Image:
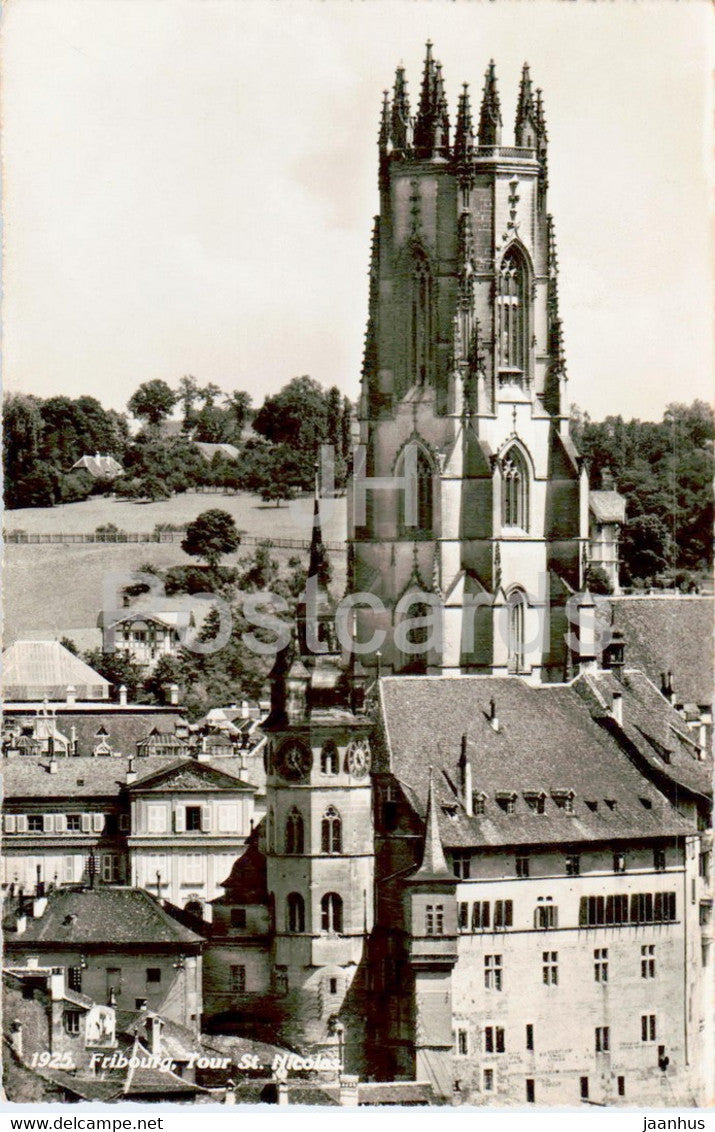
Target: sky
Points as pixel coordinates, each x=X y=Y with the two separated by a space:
x=189 y=185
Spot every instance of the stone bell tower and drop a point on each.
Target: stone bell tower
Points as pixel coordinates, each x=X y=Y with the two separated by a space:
x=463 y=397
x=319 y=832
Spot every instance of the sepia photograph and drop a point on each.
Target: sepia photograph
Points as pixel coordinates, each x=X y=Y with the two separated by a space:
x=357 y=668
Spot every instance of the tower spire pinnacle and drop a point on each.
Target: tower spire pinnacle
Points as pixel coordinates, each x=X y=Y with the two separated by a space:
x=434 y=864
x=318 y=561
x=464 y=131
x=525 y=125
x=432 y=123
x=542 y=138
x=400 y=117
x=490 y=122
x=384 y=136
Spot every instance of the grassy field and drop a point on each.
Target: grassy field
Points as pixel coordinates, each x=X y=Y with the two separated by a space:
x=252 y=516
x=54 y=591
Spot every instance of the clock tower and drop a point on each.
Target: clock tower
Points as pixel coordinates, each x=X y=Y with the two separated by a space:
x=319 y=833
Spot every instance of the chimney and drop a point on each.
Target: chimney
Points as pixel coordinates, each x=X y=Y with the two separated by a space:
x=466 y=769
x=617 y=708
x=587 y=633
x=702 y=738
x=131 y=773
x=666 y=686
x=57 y=984
x=39 y=904
x=112 y=997
x=122 y=695
x=20 y=923
x=493 y=717
x=154 y=1026
x=282 y=1092
x=16 y=1038
x=173 y=694
x=52 y=766
x=71 y=694
x=73 y=740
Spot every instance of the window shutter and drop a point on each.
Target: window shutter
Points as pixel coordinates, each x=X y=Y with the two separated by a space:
x=48 y=823
x=60 y=823
x=508 y=913
x=97 y=823
x=9 y=823
x=205 y=818
x=86 y=823
x=537 y=918
x=485 y=913
x=555 y=915
x=22 y=823
x=583 y=912
x=179 y=819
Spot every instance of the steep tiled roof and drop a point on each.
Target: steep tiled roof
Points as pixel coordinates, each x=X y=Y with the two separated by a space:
x=86 y=917
x=670 y=633
x=607 y=506
x=208 y=451
x=101 y=467
x=35 y=670
x=657 y=731
x=546 y=741
x=29 y=776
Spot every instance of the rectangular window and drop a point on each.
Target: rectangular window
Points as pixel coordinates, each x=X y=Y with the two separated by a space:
x=530 y=1091
x=74 y=978
x=124 y=823
x=69 y=870
x=153 y=974
x=493 y=972
x=545 y=916
x=114 y=980
x=110 y=868
x=529 y=1036
x=228 y=818
x=584 y=1088
x=488 y=1080
x=157 y=820
x=522 y=866
x=621 y=1086
x=480 y=915
x=238 y=980
x=193 y=818
x=619 y=862
x=463 y=916
x=503 y=914
x=35 y=823
x=573 y=865
x=332 y=986
x=603 y=1039
x=648 y=961
x=550 y=968
x=600 y=964
x=462 y=864
x=644 y=908
x=659 y=860
x=434 y=919
x=71 y=1021
x=238 y=917
x=74 y=823
x=462 y=1043
x=648 y=1031
x=193 y=868
x=494 y=1039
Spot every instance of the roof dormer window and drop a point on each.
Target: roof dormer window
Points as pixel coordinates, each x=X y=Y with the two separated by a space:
x=507 y=801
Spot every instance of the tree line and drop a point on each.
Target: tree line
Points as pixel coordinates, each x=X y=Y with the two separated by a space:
x=277 y=444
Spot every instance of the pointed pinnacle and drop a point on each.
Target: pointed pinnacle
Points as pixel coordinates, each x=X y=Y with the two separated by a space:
x=464 y=131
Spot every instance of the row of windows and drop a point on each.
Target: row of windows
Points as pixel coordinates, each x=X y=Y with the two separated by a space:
x=462 y=859
x=637 y=908
x=494 y=967
x=494 y=1037
x=67 y=823
x=153 y=976
x=331 y=912
x=331 y=832
x=489 y=1081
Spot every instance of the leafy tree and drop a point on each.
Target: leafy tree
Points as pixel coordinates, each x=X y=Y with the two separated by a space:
x=645 y=547
x=118 y=669
x=188 y=396
x=597 y=580
x=296 y=418
x=238 y=405
x=167 y=670
x=212 y=535
x=22 y=434
x=68 y=643
x=152 y=402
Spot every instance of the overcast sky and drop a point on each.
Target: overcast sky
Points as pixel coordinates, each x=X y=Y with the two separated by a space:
x=189 y=185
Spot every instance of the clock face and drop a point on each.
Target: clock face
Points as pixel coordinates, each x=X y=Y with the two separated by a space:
x=359 y=758
x=293 y=761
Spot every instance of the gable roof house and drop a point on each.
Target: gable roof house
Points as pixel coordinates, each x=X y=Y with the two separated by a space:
x=46 y=670
x=99 y=467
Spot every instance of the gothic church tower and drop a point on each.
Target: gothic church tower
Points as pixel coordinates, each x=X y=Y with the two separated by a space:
x=463 y=390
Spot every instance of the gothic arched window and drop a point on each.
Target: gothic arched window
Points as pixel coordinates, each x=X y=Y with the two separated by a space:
x=417 y=495
x=513 y=311
x=515 y=490
x=420 y=319
x=294 y=831
x=516 y=609
x=331 y=831
x=329 y=758
x=295 y=907
x=331 y=912
x=270 y=826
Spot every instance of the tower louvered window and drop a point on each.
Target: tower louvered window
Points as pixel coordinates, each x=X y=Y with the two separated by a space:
x=331 y=912
x=515 y=490
x=331 y=831
x=517 y=617
x=421 y=320
x=294 y=831
x=513 y=313
x=295 y=908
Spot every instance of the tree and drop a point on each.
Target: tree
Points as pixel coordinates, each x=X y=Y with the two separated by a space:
x=212 y=535
x=645 y=546
x=152 y=402
x=167 y=670
x=118 y=669
x=597 y=580
x=296 y=417
x=188 y=396
x=238 y=405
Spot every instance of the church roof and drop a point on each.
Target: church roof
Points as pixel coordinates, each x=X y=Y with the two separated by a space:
x=670 y=633
x=607 y=506
x=545 y=741
x=38 y=670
